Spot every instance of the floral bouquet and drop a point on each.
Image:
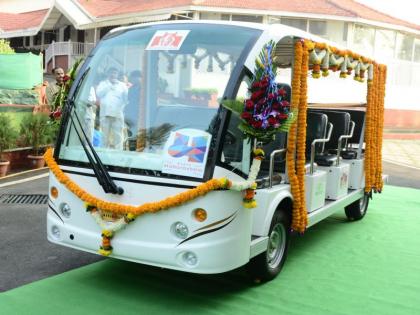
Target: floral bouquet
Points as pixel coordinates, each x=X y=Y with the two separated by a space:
x=62 y=94
x=267 y=111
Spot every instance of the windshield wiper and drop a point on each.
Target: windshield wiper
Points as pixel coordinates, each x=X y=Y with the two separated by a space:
x=101 y=173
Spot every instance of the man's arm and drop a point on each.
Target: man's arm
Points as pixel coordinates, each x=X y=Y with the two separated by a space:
x=102 y=89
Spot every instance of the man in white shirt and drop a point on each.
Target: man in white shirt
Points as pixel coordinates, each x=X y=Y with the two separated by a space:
x=90 y=114
x=112 y=95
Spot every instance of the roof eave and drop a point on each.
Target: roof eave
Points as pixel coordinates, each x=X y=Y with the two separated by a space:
x=20 y=33
x=136 y=17
x=305 y=15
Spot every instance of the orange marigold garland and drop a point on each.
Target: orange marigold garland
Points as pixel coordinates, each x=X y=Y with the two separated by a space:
x=291 y=147
x=301 y=134
x=374 y=129
x=129 y=213
x=368 y=135
x=380 y=128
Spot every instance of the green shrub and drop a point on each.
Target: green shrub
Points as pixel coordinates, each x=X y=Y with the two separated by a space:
x=8 y=134
x=36 y=131
x=5 y=47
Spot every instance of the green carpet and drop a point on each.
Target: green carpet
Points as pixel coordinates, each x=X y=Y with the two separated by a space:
x=366 y=267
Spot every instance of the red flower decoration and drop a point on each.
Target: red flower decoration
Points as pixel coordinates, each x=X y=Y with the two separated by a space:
x=57 y=114
x=246 y=115
x=257 y=124
x=66 y=78
x=282 y=92
x=272 y=121
x=249 y=104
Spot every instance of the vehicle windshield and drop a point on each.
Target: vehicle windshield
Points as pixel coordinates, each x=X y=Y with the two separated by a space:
x=151 y=94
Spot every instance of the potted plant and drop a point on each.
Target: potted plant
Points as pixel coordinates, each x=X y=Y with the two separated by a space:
x=8 y=136
x=36 y=131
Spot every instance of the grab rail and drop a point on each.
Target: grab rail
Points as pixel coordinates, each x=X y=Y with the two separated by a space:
x=330 y=127
x=341 y=138
x=271 y=169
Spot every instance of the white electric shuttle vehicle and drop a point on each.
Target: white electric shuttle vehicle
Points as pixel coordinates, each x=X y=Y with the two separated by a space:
x=178 y=74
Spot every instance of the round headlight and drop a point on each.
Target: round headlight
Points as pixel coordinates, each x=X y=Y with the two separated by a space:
x=180 y=230
x=55 y=231
x=65 y=210
x=190 y=259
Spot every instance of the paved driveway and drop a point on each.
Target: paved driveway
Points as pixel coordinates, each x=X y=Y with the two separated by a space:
x=25 y=254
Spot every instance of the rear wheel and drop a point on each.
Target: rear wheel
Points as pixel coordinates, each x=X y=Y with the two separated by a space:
x=266 y=266
x=357 y=210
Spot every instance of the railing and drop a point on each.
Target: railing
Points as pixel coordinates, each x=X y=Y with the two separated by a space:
x=71 y=49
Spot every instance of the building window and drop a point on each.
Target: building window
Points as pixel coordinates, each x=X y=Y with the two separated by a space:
x=297 y=23
x=405 y=46
x=417 y=50
x=37 y=39
x=226 y=17
x=67 y=33
x=273 y=20
x=318 y=27
x=27 y=41
x=16 y=42
x=105 y=30
x=384 y=43
x=183 y=16
x=363 y=39
x=49 y=37
x=247 y=18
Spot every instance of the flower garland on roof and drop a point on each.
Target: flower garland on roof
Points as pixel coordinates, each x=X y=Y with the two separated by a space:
x=320 y=56
x=129 y=213
x=349 y=62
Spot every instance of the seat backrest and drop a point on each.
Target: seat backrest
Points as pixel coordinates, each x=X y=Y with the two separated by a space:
x=279 y=160
x=316 y=128
x=341 y=126
x=358 y=116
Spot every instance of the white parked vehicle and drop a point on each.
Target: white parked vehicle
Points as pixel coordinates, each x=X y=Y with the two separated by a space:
x=177 y=137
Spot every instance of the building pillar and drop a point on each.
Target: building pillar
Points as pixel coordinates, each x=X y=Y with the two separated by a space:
x=42 y=40
x=61 y=34
x=53 y=54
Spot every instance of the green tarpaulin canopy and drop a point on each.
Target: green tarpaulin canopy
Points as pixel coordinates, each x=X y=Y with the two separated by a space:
x=20 y=71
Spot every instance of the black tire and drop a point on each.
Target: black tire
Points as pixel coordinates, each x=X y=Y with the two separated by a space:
x=357 y=210
x=266 y=266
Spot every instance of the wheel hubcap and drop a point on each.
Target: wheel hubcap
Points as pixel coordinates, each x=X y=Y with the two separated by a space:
x=276 y=245
x=362 y=204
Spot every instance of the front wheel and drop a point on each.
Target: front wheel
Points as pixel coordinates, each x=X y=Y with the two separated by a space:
x=266 y=266
x=357 y=210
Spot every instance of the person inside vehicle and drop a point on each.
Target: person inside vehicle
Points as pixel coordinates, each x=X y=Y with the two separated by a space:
x=112 y=95
x=132 y=110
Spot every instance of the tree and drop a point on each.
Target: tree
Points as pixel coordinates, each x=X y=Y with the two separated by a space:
x=5 y=47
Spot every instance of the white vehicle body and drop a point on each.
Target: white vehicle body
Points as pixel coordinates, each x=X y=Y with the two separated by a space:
x=229 y=237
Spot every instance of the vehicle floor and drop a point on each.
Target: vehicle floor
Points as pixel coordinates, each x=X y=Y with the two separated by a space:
x=370 y=266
